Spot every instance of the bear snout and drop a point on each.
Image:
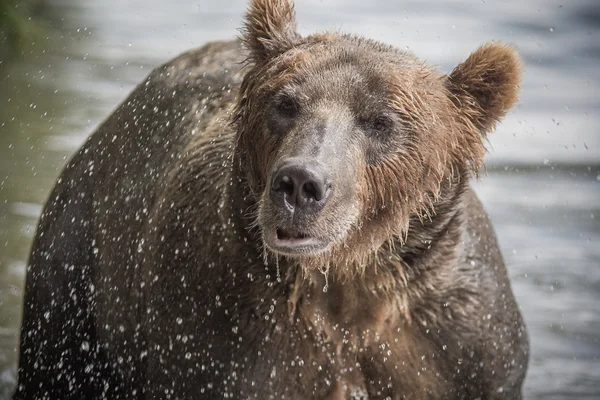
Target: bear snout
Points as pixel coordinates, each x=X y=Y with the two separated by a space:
x=300 y=187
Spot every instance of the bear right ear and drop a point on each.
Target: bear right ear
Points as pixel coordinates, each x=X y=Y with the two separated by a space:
x=486 y=85
x=270 y=28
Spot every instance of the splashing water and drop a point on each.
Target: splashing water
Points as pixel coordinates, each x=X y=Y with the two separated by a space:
x=277 y=266
x=325 y=272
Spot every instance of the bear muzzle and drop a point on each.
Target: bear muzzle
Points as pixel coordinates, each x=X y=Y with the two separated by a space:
x=298 y=192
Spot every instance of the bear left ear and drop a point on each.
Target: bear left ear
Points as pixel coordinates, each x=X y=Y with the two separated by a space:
x=486 y=84
x=270 y=28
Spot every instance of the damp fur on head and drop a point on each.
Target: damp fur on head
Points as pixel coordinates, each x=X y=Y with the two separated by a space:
x=439 y=140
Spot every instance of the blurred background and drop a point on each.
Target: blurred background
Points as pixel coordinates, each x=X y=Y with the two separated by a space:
x=66 y=64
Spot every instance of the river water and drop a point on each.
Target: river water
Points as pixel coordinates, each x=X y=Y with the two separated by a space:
x=542 y=187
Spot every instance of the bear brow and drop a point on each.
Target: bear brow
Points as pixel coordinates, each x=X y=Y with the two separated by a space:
x=351 y=70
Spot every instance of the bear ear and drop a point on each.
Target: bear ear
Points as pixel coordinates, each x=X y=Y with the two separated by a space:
x=486 y=85
x=270 y=28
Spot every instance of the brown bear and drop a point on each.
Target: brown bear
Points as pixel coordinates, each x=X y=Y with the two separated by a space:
x=296 y=226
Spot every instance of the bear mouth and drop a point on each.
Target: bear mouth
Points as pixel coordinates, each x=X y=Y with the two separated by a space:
x=290 y=234
x=291 y=241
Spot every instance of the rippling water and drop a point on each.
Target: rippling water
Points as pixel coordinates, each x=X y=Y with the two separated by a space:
x=542 y=188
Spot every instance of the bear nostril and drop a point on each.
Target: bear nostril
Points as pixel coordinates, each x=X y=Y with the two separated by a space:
x=286 y=185
x=313 y=190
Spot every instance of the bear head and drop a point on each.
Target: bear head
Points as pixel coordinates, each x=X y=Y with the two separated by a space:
x=342 y=140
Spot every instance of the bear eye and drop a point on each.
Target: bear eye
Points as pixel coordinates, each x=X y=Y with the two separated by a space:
x=287 y=106
x=381 y=123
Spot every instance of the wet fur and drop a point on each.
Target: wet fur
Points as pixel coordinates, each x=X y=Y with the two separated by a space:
x=158 y=215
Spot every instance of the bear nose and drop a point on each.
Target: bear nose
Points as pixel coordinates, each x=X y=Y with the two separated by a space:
x=299 y=185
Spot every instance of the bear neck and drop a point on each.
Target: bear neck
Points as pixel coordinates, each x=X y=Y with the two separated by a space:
x=439 y=232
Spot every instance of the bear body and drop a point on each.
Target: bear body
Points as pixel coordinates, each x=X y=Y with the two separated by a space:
x=300 y=226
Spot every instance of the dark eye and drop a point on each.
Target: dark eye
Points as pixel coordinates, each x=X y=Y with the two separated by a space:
x=287 y=106
x=381 y=123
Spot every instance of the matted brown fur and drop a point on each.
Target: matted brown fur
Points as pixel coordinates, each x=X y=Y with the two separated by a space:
x=152 y=275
